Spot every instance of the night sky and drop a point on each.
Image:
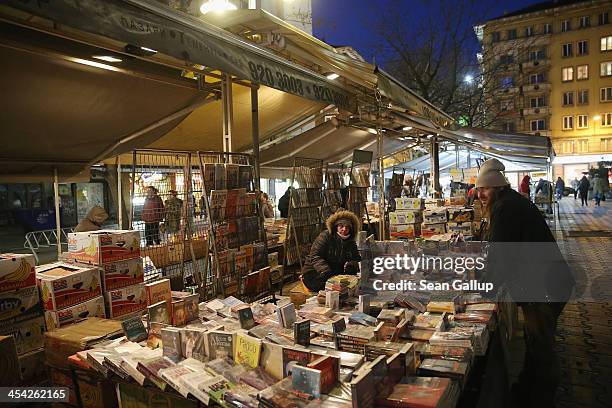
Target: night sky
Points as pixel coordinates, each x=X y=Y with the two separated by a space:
x=349 y=22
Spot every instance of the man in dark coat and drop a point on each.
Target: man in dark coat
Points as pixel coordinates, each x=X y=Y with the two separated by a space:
x=583 y=189
x=334 y=252
x=283 y=204
x=525 y=259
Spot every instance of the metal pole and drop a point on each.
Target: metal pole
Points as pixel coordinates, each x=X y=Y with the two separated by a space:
x=119 y=195
x=381 y=186
x=228 y=111
x=58 y=227
x=435 y=166
x=255 y=132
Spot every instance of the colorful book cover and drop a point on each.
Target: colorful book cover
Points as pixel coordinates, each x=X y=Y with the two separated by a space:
x=150 y=368
x=134 y=329
x=155 y=340
x=193 y=342
x=171 y=341
x=306 y=380
x=159 y=313
x=178 y=312
x=329 y=366
x=220 y=344
x=293 y=356
x=301 y=332
x=245 y=316
x=248 y=350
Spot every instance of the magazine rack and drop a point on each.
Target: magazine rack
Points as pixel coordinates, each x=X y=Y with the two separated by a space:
x=333 y=188
x=359 y=183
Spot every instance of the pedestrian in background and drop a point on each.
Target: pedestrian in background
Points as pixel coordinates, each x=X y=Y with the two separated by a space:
x=524 y=187
x=283 y=204
x=575 y=183
x=174 y=206
x=93 y=220
x=583 y=188
x=152 y=215
x=559 y=187
x=598 y=189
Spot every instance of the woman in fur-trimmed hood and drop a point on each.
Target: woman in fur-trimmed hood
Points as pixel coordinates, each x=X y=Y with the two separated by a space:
x=334 y=252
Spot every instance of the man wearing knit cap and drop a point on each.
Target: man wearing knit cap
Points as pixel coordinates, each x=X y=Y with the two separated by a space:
x=525 y=259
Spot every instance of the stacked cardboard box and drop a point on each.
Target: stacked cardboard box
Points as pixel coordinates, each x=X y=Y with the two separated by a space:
x=460 y=220
x=405 y=221
x=116 y=253
x=434 y=221
x=21 y=315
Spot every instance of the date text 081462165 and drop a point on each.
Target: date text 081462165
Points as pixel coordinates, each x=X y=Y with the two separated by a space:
x=33 y=394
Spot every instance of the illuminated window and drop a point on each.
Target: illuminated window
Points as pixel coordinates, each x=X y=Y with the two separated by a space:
x=568 y=122
x=582 y=72
x=583 y=121
x=567 y=74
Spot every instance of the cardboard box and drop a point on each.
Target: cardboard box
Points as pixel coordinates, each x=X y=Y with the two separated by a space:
x=435 y=216
x=9 y=375
x=19 y=305
x=120 y=302
x=29 y=334
x=405 y=231
x=454 y=200
x=406 y=203
x=461 y=214
x=120 y=274
x=158 y=291
x=17 y=271
x=82 y=335
x=427 y=230
x=63 y=378
x=403 y=217
x=63 y=284
x=32 y=366
x=103 y=246
x=433 y=203
x=175 y=253
x=73 y=314
x=464 y=228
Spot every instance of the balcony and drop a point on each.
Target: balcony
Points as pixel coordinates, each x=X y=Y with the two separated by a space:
x=542 y=110
x=540 y=63
x=508 y=91
x=536 y=87
x=546 y=133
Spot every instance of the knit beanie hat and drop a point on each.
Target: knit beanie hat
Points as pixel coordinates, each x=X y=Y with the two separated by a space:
x=491 y=175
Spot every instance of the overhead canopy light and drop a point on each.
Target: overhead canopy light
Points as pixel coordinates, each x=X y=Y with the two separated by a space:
x=406 y=128
x=140 y=51
x=216 y=5
x=94 y=64
x=372 y=131
x=331 y=76
x=107 y=58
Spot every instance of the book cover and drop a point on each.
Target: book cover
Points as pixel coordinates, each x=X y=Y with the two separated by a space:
x=178 y=312
x=155 y=340
x=158 y=291
x=362 y=390
x=172 y=376
x=339 y=325
x=134 y=329
x=209 y=176
x=288 y=315
x=245 y=175
x=245 y=316
x=301 y=333
x=171 y=340
x=332 y=299
x=220 y=344
x=248 y=350
x=193 y=343
x=364 y=304
x=150 y=369
x=306 y=380
x=220 y=177
x=232 y=176
x=329 y=366
x=159 y=313
x=417 y=392
x=294 y=356
x=363 y=319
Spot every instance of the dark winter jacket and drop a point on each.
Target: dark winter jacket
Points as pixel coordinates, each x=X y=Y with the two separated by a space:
x=283 y=205
x=153 y=210
x=523 y=253
x=329 y=253
x=584 y=185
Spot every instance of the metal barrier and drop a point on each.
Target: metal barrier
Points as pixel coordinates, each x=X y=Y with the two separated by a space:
x=35 y=240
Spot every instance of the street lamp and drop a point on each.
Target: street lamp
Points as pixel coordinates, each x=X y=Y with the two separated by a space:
x=216 y=5
x=468 y=79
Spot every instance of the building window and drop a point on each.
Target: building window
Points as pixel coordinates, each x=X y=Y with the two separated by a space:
x=582 y=146
x=606 y=119
x=606 y=43
x=605 y=94
x=548 y=29
x=568 y=122
x=585 y=22
x=606 y=144
x=512 y=34
x=506 y=59
x=567 y=74
x=568 y=98
x=566 y=26
x=605 y=68
x=495 y=37
x=567 y=147
x=583 y=121
x=536 y=78
x=582 y=72
x=536 y=55
x=566 y=50
x=509 y=126
x=528 y=31
x=536 y=102
x=583 y=47
x=536 y=125
x=507 y=82
x=506 y=104
x=603 y=18
x=583 y=97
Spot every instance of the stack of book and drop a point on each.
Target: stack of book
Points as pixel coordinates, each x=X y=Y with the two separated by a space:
x=422 y=392
x=355 y=338
x=435 y=367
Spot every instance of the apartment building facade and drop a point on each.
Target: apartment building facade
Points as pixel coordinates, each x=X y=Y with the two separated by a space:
x=550 y=68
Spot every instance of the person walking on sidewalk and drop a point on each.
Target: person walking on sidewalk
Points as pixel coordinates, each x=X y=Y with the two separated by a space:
x=152 y=215
x=559 y=187
x=524 y=187
x=583 y=189
x=598 y=189
x=518 y=234
x=575 y=183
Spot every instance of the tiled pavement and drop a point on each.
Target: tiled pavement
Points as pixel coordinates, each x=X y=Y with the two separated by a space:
x=584 y=335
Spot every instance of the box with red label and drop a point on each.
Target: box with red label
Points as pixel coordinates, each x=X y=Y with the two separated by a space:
x=59 y=318
x=29 y=335
x=104 y=246
x=459 y=214
x=435 y=215
x=427 y=230
x=158 y=291
x=19 y=305
x=405 y=231
x=124 y=301
x=64 y=284
x=120 y=274
x=16 y=271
